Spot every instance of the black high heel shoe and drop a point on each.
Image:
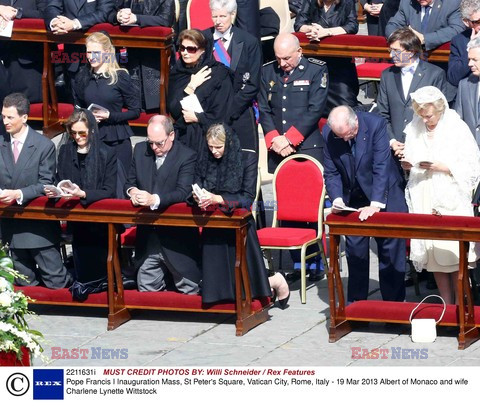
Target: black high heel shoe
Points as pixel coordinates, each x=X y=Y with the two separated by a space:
x=279 y=286
x=284 y=302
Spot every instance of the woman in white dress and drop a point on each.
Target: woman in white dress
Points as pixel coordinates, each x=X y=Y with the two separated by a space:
x=444 y=163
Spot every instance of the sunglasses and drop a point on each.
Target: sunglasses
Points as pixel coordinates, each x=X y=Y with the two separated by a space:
x=188 y=49
x=159 y=144
x=79 y=133
x=473 y=22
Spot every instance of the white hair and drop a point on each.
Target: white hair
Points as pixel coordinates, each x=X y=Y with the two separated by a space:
x=229 y=5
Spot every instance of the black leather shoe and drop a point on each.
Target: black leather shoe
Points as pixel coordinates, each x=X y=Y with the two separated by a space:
x=315 y=276
x=294 y=276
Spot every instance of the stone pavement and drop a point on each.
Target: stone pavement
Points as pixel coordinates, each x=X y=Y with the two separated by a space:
x=297 y=336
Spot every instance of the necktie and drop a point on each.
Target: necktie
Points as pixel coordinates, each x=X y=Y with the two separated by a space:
x=159 y=161
x=352 y=146
x=220 y=52
x=410 y=69
x=286 y=74
x=16 y=151
x=425 y=19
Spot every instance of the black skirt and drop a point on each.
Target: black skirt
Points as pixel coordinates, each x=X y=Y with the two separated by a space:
x=218 y=265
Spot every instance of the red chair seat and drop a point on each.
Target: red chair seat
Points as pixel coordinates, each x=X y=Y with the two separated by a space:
x=285 y=236
x=372 y=70
x=321 y=123
x=129 y=236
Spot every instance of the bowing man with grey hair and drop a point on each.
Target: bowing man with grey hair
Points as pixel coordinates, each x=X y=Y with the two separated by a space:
x=360 y=172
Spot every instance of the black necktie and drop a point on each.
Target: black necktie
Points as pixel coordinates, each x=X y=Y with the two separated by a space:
x=352 y=146
x=425 y=19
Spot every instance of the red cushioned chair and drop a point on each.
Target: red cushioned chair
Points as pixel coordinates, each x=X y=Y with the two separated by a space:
x=199 y=15
x=371 y=72
x=299 y=192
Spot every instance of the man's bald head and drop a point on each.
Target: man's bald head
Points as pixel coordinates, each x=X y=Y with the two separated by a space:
x=287 y=51
x=160 y=134
x=343 y=122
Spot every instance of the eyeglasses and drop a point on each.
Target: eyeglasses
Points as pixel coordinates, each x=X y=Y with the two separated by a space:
x=188 y=49
x=158 y=144
x=79 y=133
x=396 y=51
x=473 y=22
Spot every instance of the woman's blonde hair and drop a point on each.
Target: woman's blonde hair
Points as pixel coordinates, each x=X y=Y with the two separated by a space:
x=109 y=57
x=217 y=133
x=438 y=105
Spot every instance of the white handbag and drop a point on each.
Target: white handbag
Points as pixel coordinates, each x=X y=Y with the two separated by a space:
x=425 y=330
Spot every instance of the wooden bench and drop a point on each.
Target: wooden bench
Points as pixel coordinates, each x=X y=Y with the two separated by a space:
x=50 y=111
x=373 y=48
x=391 y=225
x=249 y=313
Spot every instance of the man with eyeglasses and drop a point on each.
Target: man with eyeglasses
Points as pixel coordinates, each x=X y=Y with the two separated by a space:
x=410 y=72
x=161 y=174
x=458 y=68
x=360 y=172
x=27 y=163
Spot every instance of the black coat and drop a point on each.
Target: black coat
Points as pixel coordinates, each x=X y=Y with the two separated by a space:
x=89 y=240
x=24 y=61
x=218 y=245
x=344 y=87
x=149 y=12
x=372 y=21
x=87 y=90
x=246 y=64
x=172 y=183
x=143 y=64
x=214 y=96
x=390 y=7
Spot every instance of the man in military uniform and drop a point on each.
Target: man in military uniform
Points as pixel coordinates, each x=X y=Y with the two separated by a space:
x=293 y=93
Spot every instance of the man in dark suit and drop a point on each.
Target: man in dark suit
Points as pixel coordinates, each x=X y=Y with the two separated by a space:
x=63 y=16
x=467 y=103
x=292 y=97
x=458 y=68
x=27 y=163
x=23 y=61
x=240 y=51
x=435 y=22
x=161 y=175
x=409 y=73
x=248 y=18
x=360 y=172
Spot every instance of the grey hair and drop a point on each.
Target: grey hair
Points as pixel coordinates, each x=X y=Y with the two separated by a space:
x=229 y=5
x=351 y=116
x=468 y=7
x=475 y=43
